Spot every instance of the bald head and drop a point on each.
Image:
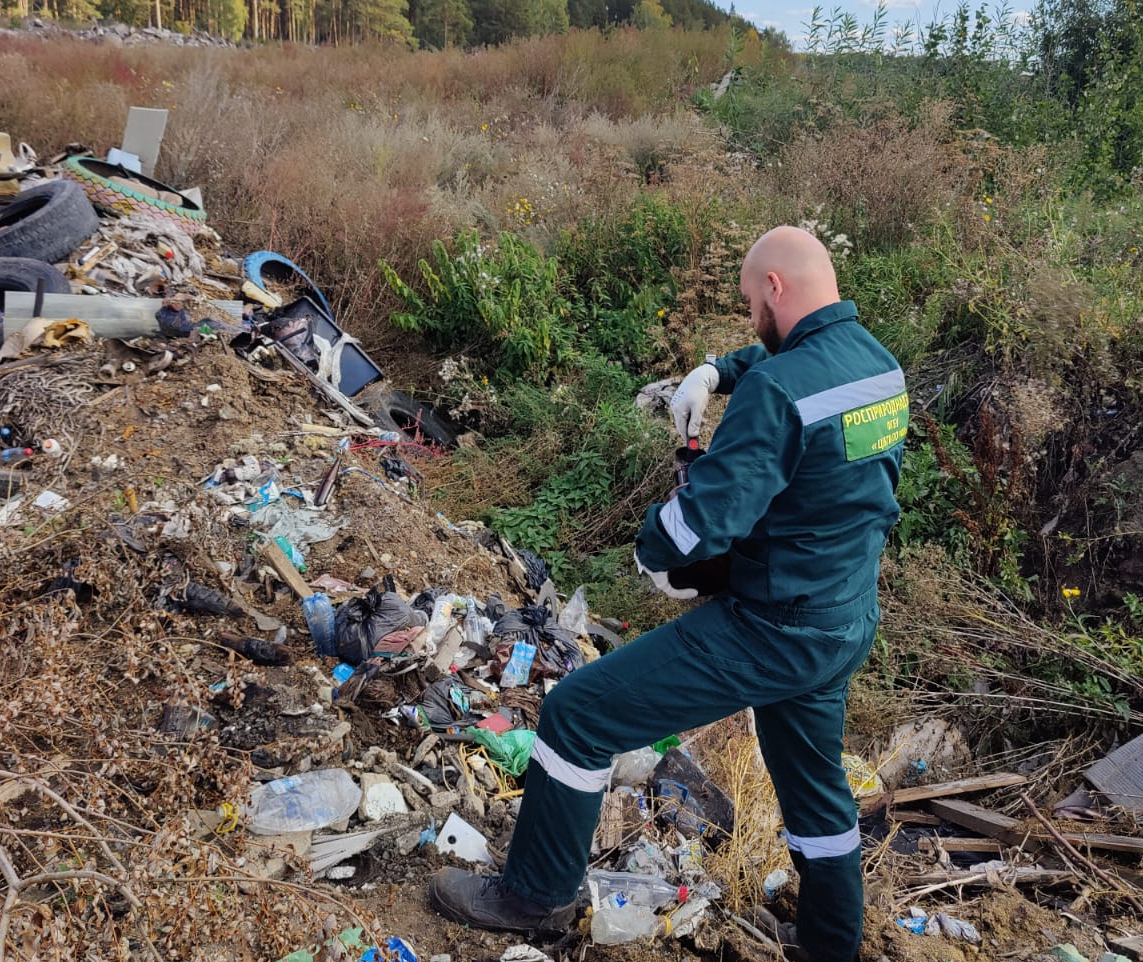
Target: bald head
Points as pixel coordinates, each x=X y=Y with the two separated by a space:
x=786 y=275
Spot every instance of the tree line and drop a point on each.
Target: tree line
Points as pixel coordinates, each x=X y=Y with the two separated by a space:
x=426 y=24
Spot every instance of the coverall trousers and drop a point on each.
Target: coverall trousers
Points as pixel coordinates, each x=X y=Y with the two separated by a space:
x=792 y=667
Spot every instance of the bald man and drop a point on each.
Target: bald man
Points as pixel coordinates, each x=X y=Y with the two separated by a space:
x=797 y=493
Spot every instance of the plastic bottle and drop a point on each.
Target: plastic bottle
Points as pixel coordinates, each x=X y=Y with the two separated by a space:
x=473 y=626
x=611 y=925
x=441 y=619
x=648 y=891
x=318 y=610
x=8 y=455
x=302 y=803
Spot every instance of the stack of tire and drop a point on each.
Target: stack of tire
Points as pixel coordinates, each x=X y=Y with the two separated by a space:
x=39 y=228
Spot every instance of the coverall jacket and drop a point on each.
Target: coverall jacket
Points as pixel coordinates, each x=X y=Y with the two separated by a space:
x=798 y=489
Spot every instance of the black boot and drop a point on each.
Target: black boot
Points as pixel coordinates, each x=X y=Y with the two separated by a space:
x=485 y=902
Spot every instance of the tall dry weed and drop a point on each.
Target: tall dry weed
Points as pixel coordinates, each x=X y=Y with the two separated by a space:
x=878 y=180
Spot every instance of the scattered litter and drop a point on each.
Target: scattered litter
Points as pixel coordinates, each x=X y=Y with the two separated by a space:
x=51 y=502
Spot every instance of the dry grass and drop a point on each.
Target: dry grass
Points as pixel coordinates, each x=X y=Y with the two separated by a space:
x=878 y=180
x=728 y=752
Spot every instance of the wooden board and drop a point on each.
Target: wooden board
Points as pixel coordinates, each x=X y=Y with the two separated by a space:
x=981 y=820
x=285 y=569
x=105 y=314
x=1131 y=946
x=1014 y=832
x=962 y=786
x=914 y=818
x=989 y=845
x=1016 y=876
x=1119 y=776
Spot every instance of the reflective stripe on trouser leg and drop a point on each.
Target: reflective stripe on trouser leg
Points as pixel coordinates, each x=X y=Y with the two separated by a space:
x=801 y=740
x=706 y=665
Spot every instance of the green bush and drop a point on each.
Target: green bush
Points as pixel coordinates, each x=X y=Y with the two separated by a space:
x=503 y=299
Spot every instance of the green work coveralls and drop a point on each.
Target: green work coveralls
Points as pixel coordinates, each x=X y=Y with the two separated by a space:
x=797 y=488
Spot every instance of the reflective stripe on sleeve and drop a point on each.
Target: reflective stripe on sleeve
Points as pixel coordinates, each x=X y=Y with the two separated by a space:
x=564 y=772
x=671 y=518
x=825 y=846
x=846 y=397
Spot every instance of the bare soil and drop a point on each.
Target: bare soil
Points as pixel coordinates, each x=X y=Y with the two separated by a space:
x=168 y=431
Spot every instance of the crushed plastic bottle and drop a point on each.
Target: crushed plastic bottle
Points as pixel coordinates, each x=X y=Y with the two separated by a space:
x=622 y=888
x=634 y=768
x=302 y=803
x=611 y=924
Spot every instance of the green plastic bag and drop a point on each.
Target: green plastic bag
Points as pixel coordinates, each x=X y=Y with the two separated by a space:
x=509 y=751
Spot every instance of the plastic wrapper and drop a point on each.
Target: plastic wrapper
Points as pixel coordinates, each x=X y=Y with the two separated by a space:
x=510 y=751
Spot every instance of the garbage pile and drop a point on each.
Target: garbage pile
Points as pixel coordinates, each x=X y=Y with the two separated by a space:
x=253 y=655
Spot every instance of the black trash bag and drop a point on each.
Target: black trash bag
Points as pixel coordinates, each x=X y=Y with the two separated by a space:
x=691 y=802
x=362 y=622
x=495 y=607
x=536 y=571
x=445 y=703
x=426 y=599
x=396 y=468
x=557 y=653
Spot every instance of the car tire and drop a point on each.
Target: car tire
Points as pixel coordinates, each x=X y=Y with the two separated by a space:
x=23 y=273
x=94 y=178
x=398 y=411
x=47 y=222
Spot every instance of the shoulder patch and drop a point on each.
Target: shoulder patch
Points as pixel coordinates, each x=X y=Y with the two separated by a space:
x=875 y=428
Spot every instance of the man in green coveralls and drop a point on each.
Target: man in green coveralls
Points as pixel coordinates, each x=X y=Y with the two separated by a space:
x=797 y=492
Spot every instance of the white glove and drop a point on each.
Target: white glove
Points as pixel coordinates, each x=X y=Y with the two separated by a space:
x=688 y=403
x=662 y=581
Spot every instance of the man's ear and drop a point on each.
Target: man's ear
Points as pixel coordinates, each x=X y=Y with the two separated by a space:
x=775 y=283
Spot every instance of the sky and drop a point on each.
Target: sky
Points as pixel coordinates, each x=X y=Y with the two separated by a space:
x=793 y=17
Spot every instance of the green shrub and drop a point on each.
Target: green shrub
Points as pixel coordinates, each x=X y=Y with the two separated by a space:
x=503 y=299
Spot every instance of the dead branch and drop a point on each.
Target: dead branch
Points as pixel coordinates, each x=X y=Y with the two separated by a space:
x=1116 y=883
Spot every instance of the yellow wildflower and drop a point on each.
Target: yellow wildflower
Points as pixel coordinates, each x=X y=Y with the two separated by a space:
x=1070 y=593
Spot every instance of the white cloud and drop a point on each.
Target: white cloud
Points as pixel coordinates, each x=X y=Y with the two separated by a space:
x=892 y=4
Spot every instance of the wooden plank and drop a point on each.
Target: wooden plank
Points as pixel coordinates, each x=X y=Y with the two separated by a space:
x=285 y=569
x=962 y=786
x=990 y=845
x=981 y=820
x=1119 y=776
x=1132 y=946
x=1013 y=832
x=1107 y=843
x=914 y=818
x=1011 y=876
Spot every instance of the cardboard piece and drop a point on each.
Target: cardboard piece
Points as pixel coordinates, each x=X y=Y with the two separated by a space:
x=143 y=135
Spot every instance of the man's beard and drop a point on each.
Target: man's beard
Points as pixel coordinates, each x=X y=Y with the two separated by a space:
x=768 y=329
